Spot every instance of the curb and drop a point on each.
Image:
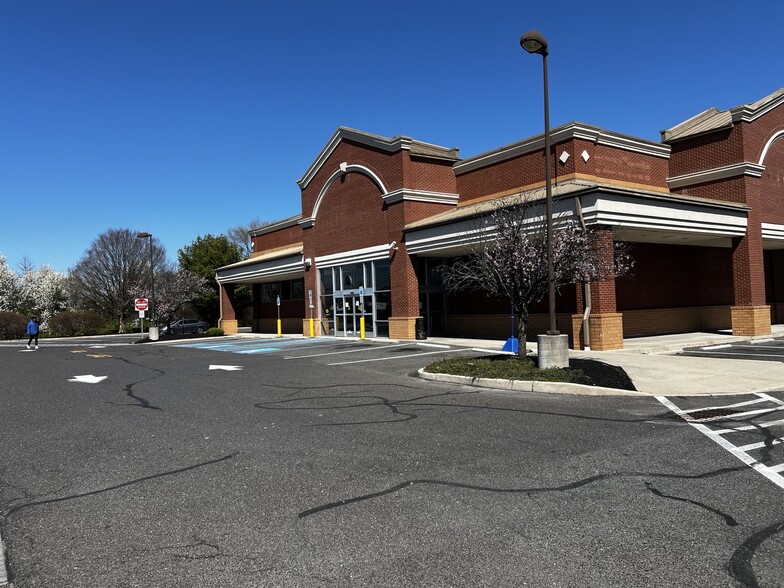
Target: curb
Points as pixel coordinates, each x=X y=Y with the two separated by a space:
x=530 y=385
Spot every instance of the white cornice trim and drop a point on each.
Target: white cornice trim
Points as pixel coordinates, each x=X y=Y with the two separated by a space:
x=617 y=210
x=750 y=112
x=420 y=196
x=773 y=139
x=354 y=256
x=275 y=226
x=677 y=217
x=344 y=133
x=773 y=231
x=565 y=133
x=342 y=170
x=290 y=266
x=717 y=173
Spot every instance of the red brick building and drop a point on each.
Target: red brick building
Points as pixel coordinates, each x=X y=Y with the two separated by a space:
x=702 y=211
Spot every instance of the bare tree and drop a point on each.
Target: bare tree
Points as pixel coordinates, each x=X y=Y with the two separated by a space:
x=510 y=260
x=240 y=235
x=102 y=279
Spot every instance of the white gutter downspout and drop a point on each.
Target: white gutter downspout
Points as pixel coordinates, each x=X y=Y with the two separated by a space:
x=586 y=286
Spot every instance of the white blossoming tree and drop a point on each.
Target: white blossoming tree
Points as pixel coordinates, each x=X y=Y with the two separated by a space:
x=8 y=286
x=510 y=260
x=41 y=293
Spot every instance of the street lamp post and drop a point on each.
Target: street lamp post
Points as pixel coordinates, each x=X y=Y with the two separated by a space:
x=534 y=42
x=144 y=235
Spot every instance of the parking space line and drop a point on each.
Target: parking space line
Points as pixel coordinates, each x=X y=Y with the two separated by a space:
x=396 y=357
x=737 y=404
x=772 y=473
x=366 y=348
x=766 y=443
x=753 y=412
x=747 y=355
x=750 y=427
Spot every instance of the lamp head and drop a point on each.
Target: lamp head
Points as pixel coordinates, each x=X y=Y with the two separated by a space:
x=143 y=235
x=534 y=42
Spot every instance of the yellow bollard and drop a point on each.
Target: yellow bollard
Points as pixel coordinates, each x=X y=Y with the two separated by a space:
x=362 y=327
x=280 y=333
x=312 y=332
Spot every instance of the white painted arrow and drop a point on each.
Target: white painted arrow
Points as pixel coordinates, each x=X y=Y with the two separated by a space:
x=88 y=379
x=228 y=368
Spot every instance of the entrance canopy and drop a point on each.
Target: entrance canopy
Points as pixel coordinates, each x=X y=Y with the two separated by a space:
x=285 y=263
x=636 y=215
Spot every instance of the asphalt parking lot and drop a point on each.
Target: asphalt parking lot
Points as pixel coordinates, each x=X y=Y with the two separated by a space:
x=323 y=463
x=759 y=349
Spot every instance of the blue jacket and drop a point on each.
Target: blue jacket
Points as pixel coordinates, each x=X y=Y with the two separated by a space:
x=32 y=328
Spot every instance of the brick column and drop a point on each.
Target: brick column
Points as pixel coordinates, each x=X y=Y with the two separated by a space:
x=750 y=314
x=228 y=318
x=605 y=323
x=405 y=295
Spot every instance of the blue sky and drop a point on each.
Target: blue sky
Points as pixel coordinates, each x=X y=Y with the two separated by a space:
x=188 y=117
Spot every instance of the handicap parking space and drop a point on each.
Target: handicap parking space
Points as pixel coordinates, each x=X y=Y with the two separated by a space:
x=750 y=427
x=326 y=350
x=756 y=349
x=254 y=346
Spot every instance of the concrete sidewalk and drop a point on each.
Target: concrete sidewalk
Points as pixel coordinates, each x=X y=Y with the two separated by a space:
x=654 y=368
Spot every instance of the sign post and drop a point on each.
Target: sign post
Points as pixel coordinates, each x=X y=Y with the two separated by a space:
x=141 y=305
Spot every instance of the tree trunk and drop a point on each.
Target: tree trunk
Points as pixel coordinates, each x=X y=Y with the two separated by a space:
x=522 y=328
x=122 y=325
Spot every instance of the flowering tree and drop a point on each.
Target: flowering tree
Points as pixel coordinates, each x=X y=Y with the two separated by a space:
x=172 y=290
x=41 y=293
x=8 y=286
x=513 y=263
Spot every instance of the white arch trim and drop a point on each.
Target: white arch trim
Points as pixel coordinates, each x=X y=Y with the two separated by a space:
x=777 y=135
x=342 y=170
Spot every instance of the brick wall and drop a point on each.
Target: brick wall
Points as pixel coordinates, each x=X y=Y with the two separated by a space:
x=658 y=321
x=674 y=276
x=606 y=162
x=280 y=238
x=499 y=327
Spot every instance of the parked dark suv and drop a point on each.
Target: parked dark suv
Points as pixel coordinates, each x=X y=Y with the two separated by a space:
x=184 y=326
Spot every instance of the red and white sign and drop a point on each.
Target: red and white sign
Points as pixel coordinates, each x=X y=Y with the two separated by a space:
x=140 y=304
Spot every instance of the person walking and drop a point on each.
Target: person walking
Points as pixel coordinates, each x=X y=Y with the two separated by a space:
x=32 y=332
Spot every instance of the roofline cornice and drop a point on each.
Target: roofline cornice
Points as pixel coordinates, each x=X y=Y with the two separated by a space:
x=392 y=145
x=275 y=226
x=565 y=133
x=745 y=168
x=751 y=112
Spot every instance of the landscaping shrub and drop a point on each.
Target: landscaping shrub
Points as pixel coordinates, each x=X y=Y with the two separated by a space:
x=214 y=332
x=70 y=324
x=12 y=325
x=111 y=328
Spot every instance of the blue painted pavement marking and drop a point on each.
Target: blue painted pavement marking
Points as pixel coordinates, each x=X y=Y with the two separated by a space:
x=252 y=346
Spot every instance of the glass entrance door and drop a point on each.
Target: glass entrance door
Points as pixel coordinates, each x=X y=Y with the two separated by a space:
x=349 y=308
